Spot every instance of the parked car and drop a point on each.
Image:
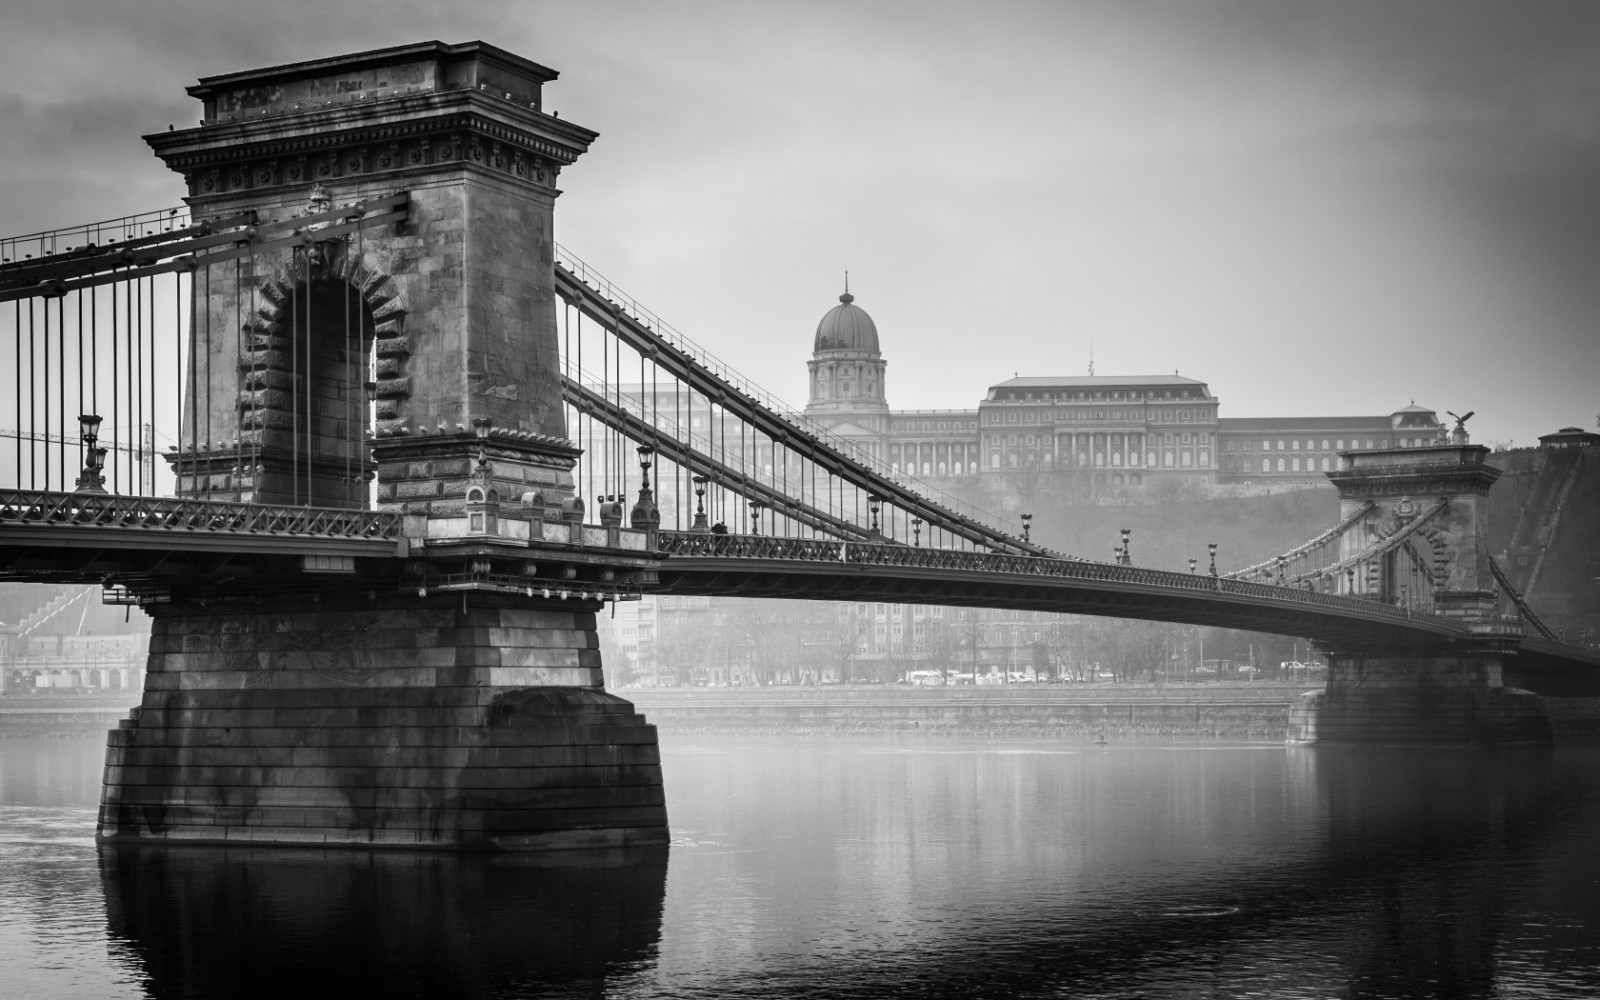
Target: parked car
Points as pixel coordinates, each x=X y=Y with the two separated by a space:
x=928 y=678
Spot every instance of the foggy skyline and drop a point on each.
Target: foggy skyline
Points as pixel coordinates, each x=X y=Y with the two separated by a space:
x=1318 y=210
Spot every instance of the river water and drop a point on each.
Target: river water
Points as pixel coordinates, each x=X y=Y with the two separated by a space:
x=870 y=867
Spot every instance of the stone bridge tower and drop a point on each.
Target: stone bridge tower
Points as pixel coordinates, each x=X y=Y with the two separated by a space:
x=446 y=319
x=1445 y=692
x=432 y=697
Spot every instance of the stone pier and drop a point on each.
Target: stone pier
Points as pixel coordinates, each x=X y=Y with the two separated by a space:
x=453 y=720
x=1438 y=696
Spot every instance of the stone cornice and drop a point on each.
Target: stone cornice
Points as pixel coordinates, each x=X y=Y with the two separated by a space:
x=1415 y=480
x=452 y=129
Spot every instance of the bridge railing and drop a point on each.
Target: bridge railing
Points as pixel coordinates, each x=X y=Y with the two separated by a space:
x=780 y=549
x=95 y=509
x=16 y=249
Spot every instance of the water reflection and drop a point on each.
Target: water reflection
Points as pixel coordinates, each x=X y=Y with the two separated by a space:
x=1311 y=872
x=1425 y=837
x=210 y=922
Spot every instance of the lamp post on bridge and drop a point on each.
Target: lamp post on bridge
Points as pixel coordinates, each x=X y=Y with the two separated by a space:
x=873 y=502
x=1027 y=526
x=916 y=532
x=94 y=456
x=700 y=505
x=1127 y=547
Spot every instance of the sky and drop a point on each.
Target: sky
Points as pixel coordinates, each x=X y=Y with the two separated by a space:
x=1317 y=209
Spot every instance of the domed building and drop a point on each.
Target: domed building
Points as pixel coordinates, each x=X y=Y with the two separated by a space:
x=847 y=392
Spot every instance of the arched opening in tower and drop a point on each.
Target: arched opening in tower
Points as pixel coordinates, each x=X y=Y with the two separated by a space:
x=314 y=449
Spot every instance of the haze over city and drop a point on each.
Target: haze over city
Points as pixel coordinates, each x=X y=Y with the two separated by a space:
x=1328 y=209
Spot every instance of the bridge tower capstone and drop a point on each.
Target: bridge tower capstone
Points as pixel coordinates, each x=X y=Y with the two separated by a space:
x=433 y=696
x=1433 y=501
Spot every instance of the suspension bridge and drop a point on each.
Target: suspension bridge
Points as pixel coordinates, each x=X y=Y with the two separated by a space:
x=415 y=445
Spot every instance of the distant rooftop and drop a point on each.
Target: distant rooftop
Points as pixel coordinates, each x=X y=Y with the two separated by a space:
x=1092 y=381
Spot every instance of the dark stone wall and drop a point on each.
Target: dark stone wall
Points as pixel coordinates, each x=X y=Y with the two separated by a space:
x=460 y=721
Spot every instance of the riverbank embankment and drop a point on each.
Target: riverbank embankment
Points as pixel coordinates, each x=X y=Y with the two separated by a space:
x=1246 y=710
x=1252 y=710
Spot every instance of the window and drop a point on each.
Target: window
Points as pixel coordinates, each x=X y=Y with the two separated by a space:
x=1340 y=444
x=1295 y=465
x=1248 y=445
x=1294 y=445
x=1280 y=465
x=1280 y=444
x=1324 y=444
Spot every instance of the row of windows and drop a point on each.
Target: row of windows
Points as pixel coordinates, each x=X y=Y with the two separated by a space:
x=1338 y=444
x=1170 y=437
x=1018 y=394
x=1169 y=458
x=928 y=425
x=1166 y=416
x=1249 y=465
x=944 y=468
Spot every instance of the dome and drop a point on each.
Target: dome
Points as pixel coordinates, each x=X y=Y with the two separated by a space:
x=846 y=327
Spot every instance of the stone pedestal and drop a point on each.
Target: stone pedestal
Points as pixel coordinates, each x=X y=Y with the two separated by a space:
x=1452 y=695
x=464 y=720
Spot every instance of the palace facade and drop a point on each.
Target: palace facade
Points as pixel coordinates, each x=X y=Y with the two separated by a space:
x=1110 y=430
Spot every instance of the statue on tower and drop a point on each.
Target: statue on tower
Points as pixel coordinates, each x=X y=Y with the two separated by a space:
x=1459 y=435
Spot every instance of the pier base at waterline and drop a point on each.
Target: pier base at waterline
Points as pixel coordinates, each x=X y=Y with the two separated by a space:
x=1443 y=696
x=462 y=721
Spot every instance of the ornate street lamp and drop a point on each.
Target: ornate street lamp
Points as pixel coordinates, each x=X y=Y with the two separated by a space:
x=755 y=516
x=1027 y=524
x=645 y=451
x=94 y=456
x=700 y=504
x=1213 y=547
x=873 y=501
x=916 y=531
x=1127 y=547
x=1193 y=563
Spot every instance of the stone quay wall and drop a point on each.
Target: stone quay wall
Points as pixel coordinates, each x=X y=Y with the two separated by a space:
x=1245 y=710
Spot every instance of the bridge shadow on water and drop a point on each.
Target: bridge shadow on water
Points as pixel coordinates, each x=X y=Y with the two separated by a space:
x=231 y=922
